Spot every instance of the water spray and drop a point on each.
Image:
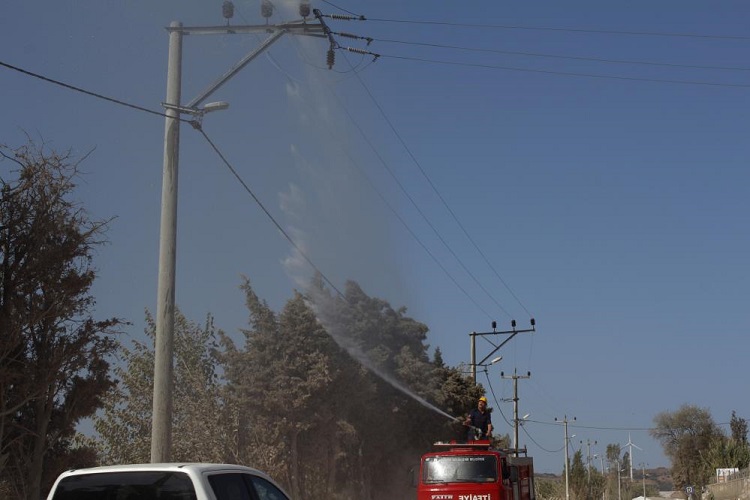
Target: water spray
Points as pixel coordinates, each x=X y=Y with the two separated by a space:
x=318 y=307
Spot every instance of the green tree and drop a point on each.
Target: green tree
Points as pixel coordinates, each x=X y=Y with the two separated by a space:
x=337 y=392
x=400 y=388
x=614 y=463
x=199 y=415
x=613 y=453
x=724 y=452
x=625 y=465
x=597 y=485
x=738 y=427
x=292 y=386
x=577 y=476
x=53 y=353
x=686 y=434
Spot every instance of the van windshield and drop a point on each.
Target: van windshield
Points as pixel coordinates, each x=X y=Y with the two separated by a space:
x=145 y=485
x=463 y=469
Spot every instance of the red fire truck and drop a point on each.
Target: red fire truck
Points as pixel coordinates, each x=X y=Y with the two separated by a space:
x=474 y=471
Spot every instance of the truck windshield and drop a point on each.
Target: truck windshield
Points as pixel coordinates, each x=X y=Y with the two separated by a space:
x=463 y=469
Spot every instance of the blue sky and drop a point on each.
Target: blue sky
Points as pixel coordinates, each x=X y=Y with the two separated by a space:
x=611 y=198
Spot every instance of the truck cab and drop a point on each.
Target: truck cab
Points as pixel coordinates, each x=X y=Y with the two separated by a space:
x=474 y=471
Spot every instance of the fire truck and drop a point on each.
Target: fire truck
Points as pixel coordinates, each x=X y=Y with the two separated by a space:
x=474 y=471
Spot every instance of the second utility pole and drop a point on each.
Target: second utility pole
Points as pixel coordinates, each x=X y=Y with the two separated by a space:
x=516 y=420
x=565 y=447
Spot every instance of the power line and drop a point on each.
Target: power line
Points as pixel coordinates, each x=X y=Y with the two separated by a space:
x=568 y=73
x=523 y=427
x=268 y=214
x=419 y=210
x=494 y=397
x=444 y=202
x=197 y=126
x=395 y=212
x=555 y=56
x=492 y=390
x=87 y=92
x=564 y=30
x=408 y=228
x=340 y=8
x=601 y=428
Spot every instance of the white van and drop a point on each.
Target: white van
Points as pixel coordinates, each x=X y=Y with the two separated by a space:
x=177 y=481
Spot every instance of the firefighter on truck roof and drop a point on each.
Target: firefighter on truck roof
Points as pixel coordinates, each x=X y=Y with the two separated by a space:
x=479 y=422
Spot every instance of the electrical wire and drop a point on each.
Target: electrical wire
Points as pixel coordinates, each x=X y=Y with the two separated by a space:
x=564 y=30
x=523 y=428
x=420 y=211
x=555 y=56
x=567 y=73
x=445 y=204
x=393 y=210
x=87 y=92
x=413 y=202
x=494 y=398
x=197 y=125
x=268 y=214
x=340 y=8
x=579 y=426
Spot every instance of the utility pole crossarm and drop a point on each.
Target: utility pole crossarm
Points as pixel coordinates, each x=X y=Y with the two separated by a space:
x=512 y=333
x=296 y=28
x=473 y=339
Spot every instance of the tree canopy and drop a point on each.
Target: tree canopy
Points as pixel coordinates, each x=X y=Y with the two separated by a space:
x=53 y=354
x=327 y=414
x=686 y=434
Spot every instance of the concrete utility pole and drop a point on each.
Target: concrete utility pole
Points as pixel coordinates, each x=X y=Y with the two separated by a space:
x=516 y=420
x=473 y=339
x=161 y=428
x=588 y=458
x=565 y=447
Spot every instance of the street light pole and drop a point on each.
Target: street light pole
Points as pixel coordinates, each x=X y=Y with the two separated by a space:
x=161 y=427
x=161 y=424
